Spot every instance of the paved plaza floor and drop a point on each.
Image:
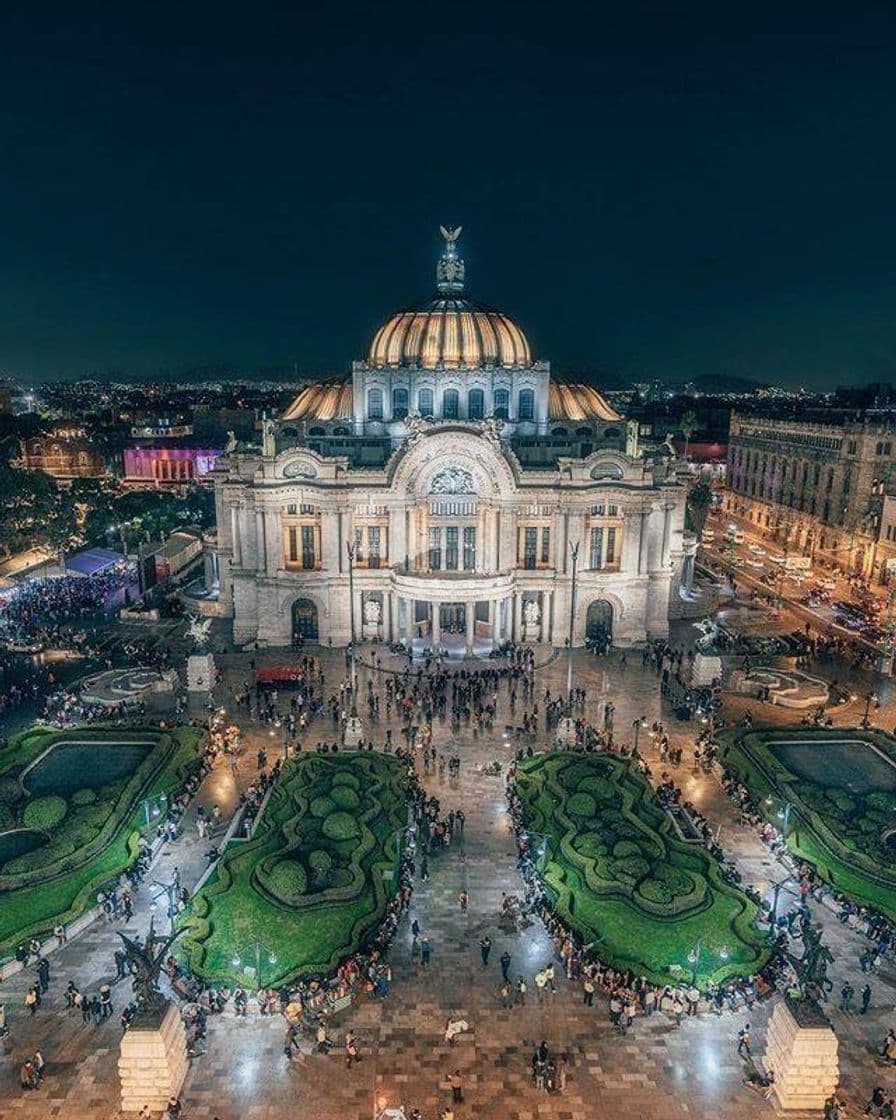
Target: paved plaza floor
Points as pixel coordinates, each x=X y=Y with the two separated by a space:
x=657 y=1070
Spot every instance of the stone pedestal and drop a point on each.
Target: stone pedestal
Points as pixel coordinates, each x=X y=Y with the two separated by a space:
x=801 y=1049
x=152 y=1063
x=371 y=631
x=201 y=672
x=354 y=732
x=705 y=669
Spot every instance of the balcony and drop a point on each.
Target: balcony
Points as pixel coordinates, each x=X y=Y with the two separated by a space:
x=451 y=586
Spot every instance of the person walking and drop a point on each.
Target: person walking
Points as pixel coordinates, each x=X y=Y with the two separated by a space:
x=743 y=1041
x=521 y=992
x=846 y=994
x=505 y=965
x=425 y=952
x=485 y=947
x=351 y=1050
x=457 y=1087
x=588 y=991
x=463 y=898
x=866 y=999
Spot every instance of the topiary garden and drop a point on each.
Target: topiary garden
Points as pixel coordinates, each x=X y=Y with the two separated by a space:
x=619 y=874
x=71 y=809
x=313 y=883
x=840 y=787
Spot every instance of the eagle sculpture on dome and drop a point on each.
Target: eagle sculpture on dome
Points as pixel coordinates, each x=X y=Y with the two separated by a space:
x=451 y=235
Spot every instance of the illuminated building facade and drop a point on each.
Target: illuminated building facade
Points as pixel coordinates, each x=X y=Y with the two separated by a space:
x=459 y=474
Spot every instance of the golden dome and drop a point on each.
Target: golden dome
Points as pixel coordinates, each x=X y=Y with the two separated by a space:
x=568 y=400
x=324 y=400
x=450 y=331
x=449 y=334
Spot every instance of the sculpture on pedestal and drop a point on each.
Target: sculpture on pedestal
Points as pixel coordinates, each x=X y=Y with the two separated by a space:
x=145 y=963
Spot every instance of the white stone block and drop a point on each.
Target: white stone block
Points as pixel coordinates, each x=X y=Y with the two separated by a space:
x=153 y=1063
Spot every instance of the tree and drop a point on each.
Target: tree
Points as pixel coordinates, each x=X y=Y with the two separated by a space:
x=699 y=501
x=688 y=427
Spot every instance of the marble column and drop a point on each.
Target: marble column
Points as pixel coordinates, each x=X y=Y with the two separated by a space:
x=393 y=616
x=436 y=635
x=260 y=551
x=470 y=626
x=235 y=538
x=518 y=617
x=273 y=544
x=409 y=610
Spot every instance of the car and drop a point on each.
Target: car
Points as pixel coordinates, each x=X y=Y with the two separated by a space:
x=774 y=558
x=827 y=584
x=755 y=562
x=757 y=550
x=708 y=535
x=23 y=645
x=734 y=534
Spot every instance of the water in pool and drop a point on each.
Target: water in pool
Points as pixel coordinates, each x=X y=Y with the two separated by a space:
x=848 y=764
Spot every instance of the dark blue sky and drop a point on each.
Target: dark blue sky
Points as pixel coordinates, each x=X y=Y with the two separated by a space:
x=650 y=192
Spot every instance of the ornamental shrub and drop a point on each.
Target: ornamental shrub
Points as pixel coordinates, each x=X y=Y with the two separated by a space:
x=581 y=805
x=322 y=807
x=629 y=870
x=590 y=844
x=601 y=789
x=624 y=848
x=678 y=881
x=842 y=800
x=44 y=812
x=288 y=881
x=882 y=801
x=346 y=778
x=344 y=797
x=84 y=796
x=340 y=826
x=320 y=862
x=655 y=891
x=575 y=773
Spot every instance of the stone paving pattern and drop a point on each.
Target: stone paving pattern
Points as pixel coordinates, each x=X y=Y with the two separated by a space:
x=658 y=1070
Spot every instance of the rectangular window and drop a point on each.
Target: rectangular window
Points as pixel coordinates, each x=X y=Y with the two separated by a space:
x=451 y=539
x=293 y=545
x=435 y=549
x=373 y=546
x=611 y=547
x=359 y=544
x=545 y=545
x=469 y=548
x=307 y=546
x=612 y=511
x=597 y=547
x=530 y=547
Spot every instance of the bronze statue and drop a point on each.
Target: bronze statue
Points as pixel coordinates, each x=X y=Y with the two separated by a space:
x=145 y=964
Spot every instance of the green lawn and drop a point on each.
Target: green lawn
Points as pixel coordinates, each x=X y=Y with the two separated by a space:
x=619 y=874
x=95 y=842
x=838 y=822
x=312 y=883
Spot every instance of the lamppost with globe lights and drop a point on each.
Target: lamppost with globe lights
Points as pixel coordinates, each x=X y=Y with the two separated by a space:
x=567 y=729
x=354 y=729
x=257 y=949
x=694 y=958
x=153 y=807
x=167 y=891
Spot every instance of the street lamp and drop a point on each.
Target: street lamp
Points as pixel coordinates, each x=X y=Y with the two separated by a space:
x=870 y=699
x=776 y=890
x=257 y=949
x=567 y=730
x=783 y=813
x=637 y=724
x=152 y=807
x=354 y=730
x=694 y=958
x=169 y=891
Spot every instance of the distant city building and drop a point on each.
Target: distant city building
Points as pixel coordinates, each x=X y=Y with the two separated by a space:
x=166 y=465
x=65 y=453
x=816 y=483
x=459 y=473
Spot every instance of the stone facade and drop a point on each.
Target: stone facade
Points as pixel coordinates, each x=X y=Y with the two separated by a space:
x=152 y=1063
x=816 y=485
x=802 y=1052
x=458 y=508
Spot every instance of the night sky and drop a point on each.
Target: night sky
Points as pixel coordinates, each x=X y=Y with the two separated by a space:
x=649 y=192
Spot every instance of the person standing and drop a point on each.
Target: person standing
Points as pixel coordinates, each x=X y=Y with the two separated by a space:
x=425 y=952
x=866 y=998
x=588 y=991
x=457 y=1087
x=485 y=947
x=505 y=965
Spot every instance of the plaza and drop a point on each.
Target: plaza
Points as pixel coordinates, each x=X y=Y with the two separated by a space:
x=658 y=1068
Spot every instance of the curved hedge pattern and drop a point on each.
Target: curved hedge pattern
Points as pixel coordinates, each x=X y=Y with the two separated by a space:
x=618 y=873
x=94 y=840
x=304 y=839
x=842 y=834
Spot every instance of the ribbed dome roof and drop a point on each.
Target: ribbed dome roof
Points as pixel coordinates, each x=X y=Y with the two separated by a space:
x=450 y=331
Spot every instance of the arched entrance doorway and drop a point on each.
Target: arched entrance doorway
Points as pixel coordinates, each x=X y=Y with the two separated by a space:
x=599 y=623
x=304 y=620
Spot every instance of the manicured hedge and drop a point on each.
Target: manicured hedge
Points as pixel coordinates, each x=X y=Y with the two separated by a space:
x=95 y=840
x=621 y=876
x=310 y=888
x=841 y=833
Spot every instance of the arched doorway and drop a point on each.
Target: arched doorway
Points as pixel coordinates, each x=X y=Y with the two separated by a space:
x=599 y=622
x=304 y=620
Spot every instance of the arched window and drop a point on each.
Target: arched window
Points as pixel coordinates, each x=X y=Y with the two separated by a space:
x=559 y=432
x=611 y=433
x=341 y=432
x=399 y=404
x=424 y=402
x=450 y=404
x=502 y=404
x=317 y=431
x=526 y=406
x=476 y=404
x=374 y=404
x=583 y=431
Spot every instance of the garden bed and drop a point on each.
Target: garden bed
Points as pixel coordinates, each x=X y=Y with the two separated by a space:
x=618 y=874
x=313 y=883
x=841 y=789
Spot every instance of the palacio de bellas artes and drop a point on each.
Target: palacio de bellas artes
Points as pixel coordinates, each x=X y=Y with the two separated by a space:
x=471 y=492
